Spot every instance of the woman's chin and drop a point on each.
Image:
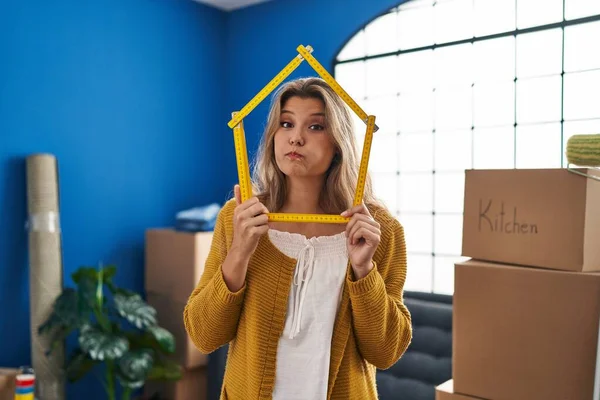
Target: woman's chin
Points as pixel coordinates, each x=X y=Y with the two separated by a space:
x=294 y=174
x=294 y=170
x=301 y=174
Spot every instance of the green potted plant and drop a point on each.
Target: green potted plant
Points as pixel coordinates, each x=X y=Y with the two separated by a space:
x=114 y=326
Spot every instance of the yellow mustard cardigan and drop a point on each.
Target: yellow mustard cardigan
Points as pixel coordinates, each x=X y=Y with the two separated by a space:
x=372 y=328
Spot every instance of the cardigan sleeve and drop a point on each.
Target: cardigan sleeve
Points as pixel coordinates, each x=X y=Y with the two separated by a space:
x=212 y=311
x=382 y=323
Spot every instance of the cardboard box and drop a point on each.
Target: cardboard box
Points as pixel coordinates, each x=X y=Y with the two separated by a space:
x=170 y=317
x=536 y=217
x=7 y=383
x=445 y=391
x=175 y=261
x=524 y=333
x=191 y=386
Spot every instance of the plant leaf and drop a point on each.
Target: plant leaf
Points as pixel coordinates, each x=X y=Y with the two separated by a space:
x=49 y=325
x=85 y=273
x=135 y=310
x=66 y=311
x=66 y=316
x=133 y=368
x=130 y=384
x=101 y=345
x=79 y=365
x=108 y=272
x=165 y=370
x=114 y=289
x=86 y=288
x=90 y=282
x=164 y=338
x=142 y=340
x=52 y=324
x=59 y=336
x=69 y=309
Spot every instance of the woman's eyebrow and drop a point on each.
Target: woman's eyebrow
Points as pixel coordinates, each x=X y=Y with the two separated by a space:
x=318 y=114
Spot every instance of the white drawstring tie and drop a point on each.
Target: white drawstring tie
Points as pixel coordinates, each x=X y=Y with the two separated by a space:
x=304 y=271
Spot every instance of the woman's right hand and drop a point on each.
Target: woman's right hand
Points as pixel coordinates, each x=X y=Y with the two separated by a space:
x=250 y=222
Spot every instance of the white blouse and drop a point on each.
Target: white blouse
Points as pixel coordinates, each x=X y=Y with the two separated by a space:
x=303 y=354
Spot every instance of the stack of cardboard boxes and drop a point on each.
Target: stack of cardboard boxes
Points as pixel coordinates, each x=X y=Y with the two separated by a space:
x=527 y=302
x=174 y=264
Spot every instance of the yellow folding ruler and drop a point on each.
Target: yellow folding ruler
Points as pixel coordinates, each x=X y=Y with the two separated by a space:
x=241 y=152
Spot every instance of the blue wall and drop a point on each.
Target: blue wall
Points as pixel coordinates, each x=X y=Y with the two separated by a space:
x=264 y=39
x=127 y=95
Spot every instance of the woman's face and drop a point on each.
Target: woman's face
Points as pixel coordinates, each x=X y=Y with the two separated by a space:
x=303 y=146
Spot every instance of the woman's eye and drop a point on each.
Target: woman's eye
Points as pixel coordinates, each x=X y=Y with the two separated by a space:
x=317 y=127
x=285 y=124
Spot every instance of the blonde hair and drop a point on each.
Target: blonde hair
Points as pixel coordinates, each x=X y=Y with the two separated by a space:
x=341 y=177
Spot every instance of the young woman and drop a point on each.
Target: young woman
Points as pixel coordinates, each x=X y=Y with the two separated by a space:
x=309 y=310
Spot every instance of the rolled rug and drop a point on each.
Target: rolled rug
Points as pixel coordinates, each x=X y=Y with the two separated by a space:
x=45 y=271
x=584 y=150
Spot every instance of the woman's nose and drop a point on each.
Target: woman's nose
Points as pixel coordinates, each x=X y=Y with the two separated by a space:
x=296 y=138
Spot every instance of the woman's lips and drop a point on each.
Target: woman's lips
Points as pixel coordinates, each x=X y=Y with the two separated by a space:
x=292 y=155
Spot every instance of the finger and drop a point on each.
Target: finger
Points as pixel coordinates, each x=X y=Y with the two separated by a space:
x=364 y=232
x=253 y=210
x=355 y=233
x=246 y=205
x=359 y=209
x=352 y=232
x=362 y=225
x=259 y=220
x=239 y=212
x=238 y=195
x=371 y=238
x=264 y=208
x=361 y=217
x=260 y=230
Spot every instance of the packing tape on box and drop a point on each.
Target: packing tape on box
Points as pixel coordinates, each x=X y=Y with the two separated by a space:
x=43 y=222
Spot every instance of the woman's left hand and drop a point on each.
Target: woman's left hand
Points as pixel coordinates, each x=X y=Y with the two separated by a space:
x=362 y=238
